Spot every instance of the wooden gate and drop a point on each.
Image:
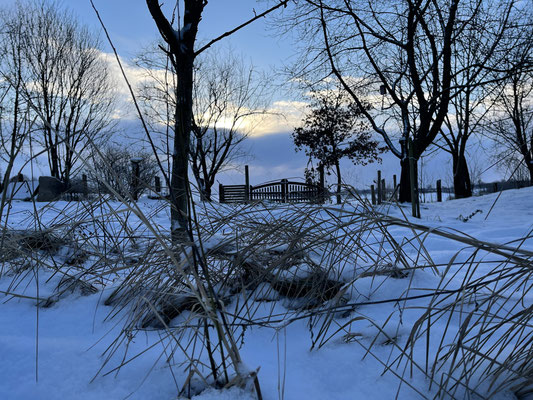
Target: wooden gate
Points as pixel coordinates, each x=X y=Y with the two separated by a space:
x=283 y=191
x=233 y=193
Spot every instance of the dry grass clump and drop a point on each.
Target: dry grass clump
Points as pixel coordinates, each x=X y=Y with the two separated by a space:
x=17 y=244
x=202 y=297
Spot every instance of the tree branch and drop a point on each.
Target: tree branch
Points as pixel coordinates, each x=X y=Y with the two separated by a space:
x=231 y=32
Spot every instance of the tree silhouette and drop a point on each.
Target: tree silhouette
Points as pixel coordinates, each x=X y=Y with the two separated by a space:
x=333 y=130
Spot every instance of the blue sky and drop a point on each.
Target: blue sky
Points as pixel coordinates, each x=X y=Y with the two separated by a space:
x=131 y=27
x=272 y=157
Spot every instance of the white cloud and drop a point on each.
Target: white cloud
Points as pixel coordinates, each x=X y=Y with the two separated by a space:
x=282 y=116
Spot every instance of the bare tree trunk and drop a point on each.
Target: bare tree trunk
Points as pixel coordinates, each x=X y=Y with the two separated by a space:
x=179 y=184
x=339 y=181
x=207 y=191
x=405 y=181
x=181 y=44
x=53 y=156
x=462 y=185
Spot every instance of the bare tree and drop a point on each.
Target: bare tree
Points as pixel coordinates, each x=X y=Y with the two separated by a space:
x=497 y=30
x=476 y=80
x=182 y=54
x=511 y=125
x=112 y=170
x=402 y=49
x=229 y=99
x=15 y=122
x=66 y=83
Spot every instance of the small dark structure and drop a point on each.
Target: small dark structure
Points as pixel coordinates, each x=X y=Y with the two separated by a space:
x=439 y=190
x=19 y=178
x=50 y=188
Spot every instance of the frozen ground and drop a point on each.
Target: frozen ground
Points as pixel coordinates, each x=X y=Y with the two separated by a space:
x=56 y=352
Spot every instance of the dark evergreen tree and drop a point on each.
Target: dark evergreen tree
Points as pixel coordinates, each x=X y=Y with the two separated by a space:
x=334 y=129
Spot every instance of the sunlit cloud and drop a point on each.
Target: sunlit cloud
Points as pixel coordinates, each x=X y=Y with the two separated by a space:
x=136 y=76
x=282 y=116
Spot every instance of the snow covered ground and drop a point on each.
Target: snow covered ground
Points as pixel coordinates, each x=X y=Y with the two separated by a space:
x=56 y=352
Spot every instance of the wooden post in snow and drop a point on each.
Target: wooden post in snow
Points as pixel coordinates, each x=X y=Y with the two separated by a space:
x=284 y=190
x=395 y=188
x=84 y=185
x=135 y=172
x=221 y=193
x=378 y=184
x=246 y=183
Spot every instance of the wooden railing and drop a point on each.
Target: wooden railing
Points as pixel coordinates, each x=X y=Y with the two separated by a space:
x=233 y=193
x=281 y=192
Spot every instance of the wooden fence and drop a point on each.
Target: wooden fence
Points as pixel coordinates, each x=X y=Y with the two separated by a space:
x=233 y=193
x=288 y=192
x=282 y=191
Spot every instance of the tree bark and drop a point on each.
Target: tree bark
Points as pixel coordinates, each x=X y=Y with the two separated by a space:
x=207 y=192
x=339 y=181
x=405 y=180
x=183 y=124
x=181 y=45
x=53 y=158
x=462 y=185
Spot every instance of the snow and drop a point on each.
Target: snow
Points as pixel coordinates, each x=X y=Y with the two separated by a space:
x=64 y=345
x=22 y=190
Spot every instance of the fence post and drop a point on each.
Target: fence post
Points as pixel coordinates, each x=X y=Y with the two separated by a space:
x=378 y=184
x=84 y=185
x=372 y=190
x=220 y=193
x=284 y=190
x=157 y=184
x=395 y=187
x=246 y=183
x=383 y=190
x=439 y=191
x=135 y=166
